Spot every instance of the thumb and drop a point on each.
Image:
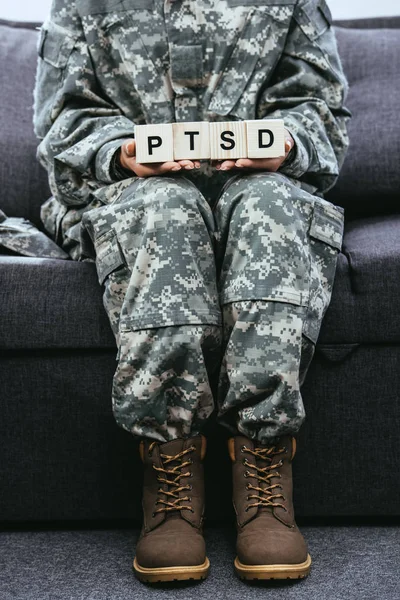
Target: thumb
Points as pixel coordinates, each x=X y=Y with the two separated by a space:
x=129 y=147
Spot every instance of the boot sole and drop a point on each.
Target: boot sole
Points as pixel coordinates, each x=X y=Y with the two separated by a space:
x=273 y=571
x=171 y=573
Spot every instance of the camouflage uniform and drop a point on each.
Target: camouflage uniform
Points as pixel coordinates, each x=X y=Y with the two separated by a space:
x=205 y=272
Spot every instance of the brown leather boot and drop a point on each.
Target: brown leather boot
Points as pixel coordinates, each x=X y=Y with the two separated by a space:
x=269 y=543
x=171 y=545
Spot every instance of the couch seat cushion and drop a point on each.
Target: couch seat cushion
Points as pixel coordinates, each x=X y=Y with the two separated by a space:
x=365 y=305
x=47 y=303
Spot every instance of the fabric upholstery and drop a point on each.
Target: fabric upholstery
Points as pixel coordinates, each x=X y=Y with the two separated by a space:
x=364 y=306
x=23 y=181
x=63 y=457
x=370 y=179
x=47 y=303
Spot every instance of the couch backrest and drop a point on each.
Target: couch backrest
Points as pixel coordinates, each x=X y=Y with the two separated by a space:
x=23 y=182
x=370 y=179
x=369 y=182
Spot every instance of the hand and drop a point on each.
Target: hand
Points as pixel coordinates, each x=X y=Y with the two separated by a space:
x=265 y=164
x=127 y=159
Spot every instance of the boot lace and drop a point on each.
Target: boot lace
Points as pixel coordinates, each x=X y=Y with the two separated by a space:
x=171 y=477
x=266 y=495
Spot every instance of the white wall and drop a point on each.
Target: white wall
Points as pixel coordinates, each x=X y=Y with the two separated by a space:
x=36 y=10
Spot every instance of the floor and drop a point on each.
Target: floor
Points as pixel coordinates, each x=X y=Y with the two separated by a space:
x=349 y=562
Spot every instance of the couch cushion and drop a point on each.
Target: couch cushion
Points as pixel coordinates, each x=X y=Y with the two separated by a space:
x=365 y=306
x=47 y=303
x=23 y=181
x=370 y=179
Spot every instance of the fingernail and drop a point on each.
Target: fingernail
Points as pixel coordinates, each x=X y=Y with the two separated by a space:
x=224 y=168
x=188 y=167
x=176 y=169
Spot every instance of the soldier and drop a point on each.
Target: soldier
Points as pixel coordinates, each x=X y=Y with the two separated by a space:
x=208 y=269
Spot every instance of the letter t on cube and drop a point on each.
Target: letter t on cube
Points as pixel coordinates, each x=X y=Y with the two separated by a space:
x=265 y=138
x=191 y=140
x=154 y=143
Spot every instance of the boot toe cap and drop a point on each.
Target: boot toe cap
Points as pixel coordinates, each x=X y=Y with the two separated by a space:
x=286 y=547
x=160 y=551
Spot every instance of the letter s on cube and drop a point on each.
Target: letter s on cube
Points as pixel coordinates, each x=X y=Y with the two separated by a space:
x=265 y=138
x=154 y=143
x=228 y=140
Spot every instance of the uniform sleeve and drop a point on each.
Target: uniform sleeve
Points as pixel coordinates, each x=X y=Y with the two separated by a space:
x=308 y=91
x=79 y=127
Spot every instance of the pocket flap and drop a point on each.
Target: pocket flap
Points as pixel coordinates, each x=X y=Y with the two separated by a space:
x=314 y=18
x=96 y=7
x=108 y=255
x=327 y=224
x=55 y=44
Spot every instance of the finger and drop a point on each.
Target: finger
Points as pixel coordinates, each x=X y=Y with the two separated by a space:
x=245 y=162
x=226 y=165
x=130 y=147
x=288 y=145
x=151 y=169
x=186 y=164
x=266 y=164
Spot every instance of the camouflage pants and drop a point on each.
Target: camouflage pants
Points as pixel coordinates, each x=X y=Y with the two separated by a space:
x=233 y=294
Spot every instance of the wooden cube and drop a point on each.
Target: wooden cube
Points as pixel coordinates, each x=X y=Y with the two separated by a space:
x=191 y=140
x=265 y=138
x=228 y=140
x=154 y=143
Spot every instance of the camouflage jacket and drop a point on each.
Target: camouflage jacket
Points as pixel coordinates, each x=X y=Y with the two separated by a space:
x=106 y=65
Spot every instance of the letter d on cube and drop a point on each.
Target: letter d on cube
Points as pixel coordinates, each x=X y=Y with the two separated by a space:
x=265 y=138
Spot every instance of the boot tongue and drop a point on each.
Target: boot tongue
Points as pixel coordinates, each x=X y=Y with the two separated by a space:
x=172 y=448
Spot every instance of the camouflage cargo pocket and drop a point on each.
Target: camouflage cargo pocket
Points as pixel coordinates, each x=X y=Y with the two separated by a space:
x=325 y=235
x=109 y=256
x=55 y=46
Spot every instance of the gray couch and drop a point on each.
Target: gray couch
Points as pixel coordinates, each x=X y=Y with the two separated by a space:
x=61 y=454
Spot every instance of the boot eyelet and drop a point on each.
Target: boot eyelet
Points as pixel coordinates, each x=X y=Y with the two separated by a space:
x=247 y=486
x=243 y=449
x=191 y=475
x=244 y=462
x=153 y=516
x=246 y=474
x=247 y=498
x=190 y=487
x=246 y=509
x=281 y=463
x=190 y=461
x=189 y=499
x=284 y=450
